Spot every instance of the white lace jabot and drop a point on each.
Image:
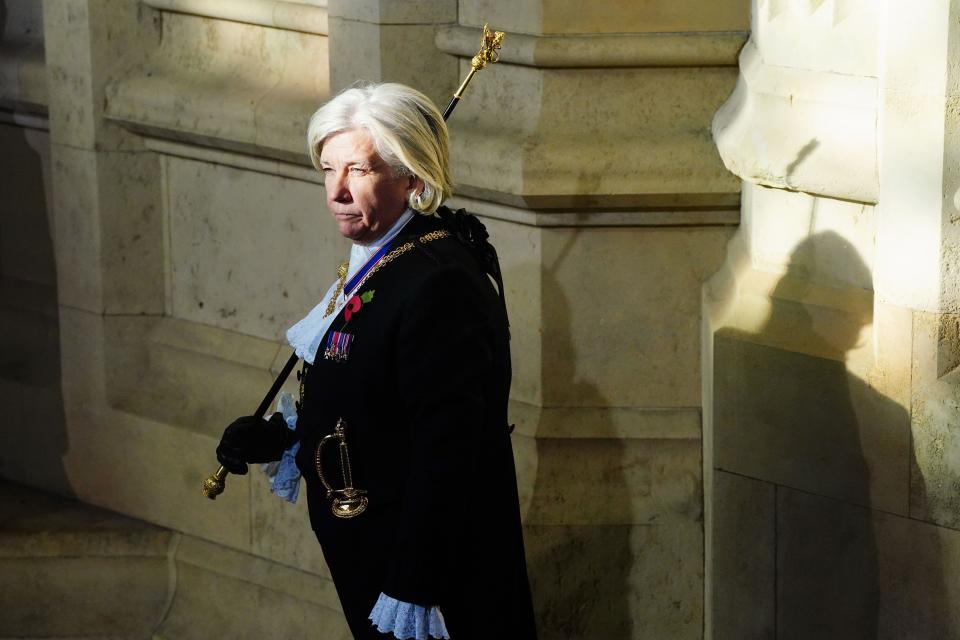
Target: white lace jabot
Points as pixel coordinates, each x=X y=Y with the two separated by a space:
x=306 y=335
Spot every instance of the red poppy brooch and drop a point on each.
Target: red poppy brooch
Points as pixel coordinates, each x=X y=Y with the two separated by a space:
x=355 y=303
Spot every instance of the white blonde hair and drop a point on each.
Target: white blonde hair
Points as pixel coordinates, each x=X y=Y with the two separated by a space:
x=407 y=130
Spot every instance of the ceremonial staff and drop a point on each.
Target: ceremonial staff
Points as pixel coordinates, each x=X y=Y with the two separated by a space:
x=490 y=44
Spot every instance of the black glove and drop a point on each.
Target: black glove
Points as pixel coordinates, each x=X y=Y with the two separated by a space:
x=253 y=439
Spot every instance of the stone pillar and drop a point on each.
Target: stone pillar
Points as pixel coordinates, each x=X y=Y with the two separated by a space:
x=827 y=348
x=918 y=235
x=106 y=207
x=587 y=152
x=30 y=347
x=391 y=41
x=181 y=190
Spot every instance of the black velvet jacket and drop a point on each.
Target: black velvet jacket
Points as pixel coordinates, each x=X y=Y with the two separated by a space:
x=423 y=393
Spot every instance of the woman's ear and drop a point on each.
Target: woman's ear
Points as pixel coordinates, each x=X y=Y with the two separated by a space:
x=414 y=184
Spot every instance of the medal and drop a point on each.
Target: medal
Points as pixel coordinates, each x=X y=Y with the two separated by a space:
x=338 y=346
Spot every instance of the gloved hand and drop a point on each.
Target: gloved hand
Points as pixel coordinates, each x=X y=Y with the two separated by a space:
x=253 y=439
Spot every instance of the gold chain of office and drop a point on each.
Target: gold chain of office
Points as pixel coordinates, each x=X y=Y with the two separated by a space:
x=342 y=275
x=387 y=259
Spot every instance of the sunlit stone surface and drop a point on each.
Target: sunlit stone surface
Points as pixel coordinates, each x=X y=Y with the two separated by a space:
x=728 y=233
x=830 y=389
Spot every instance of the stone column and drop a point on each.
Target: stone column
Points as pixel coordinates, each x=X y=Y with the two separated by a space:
x=827 y=377
x=391 y=40
x=29 y=347
x=918 y=236
x=106 y=210
x=182 y=189
x=587 y=152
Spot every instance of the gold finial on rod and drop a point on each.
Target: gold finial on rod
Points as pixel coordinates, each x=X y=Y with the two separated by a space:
x=214 y=485
x=490 y=44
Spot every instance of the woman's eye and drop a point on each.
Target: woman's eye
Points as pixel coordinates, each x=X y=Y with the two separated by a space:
x=358 y=171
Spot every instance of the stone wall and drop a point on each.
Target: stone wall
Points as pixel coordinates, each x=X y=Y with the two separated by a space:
x=161 y=172
x=830 y=398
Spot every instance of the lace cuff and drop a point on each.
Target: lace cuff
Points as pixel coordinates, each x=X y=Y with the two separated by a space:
x=405 y=620
x=284 y=475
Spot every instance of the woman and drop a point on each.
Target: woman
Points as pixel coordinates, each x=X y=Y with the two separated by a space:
x=413 y=493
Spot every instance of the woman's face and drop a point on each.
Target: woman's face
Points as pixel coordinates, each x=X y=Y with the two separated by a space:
x=363 y=193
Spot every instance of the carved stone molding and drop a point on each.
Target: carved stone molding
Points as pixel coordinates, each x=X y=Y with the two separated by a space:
x=701 y=49
x=279 y=14
x=801 y=130
x=827 y=35
x=23 y=68
x=217 y=82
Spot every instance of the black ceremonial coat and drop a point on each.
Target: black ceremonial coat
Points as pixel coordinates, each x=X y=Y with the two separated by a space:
x=423 y=393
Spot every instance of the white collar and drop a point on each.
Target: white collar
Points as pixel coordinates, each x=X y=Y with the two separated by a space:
x=360 y=253
x=305 y=336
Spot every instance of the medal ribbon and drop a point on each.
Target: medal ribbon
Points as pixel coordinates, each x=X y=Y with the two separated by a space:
x=364 y=270
x=372 y=261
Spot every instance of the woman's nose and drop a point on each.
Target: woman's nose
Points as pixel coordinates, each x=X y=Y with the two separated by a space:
x=339 y=188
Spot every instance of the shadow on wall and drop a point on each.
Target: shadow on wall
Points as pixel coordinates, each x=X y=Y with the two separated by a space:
x=33 y=439
x=803 y=449
x=578 y=539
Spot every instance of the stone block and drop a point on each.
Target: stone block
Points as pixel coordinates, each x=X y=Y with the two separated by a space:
x=23 y=77
x=839 y=36
x=744 y=558
x=26 y=250
x=844 y=571
x=253 y=283
x=81 y=359
x=935 y=475
x=362 y=51
x=69 y=69
x=281 y=531
x=917 y=565
x=108 y=232
x=525 y=462
x=617 y=581
x=34 y=438
x=612 y=481
x=143 y=468
x=76 y=228
x=29 y=350
x=802 y=130
x=224 y=592
x=785 y=219
x=88 y=45
x=827 y=569
x=393 y=12
x=806 y=422
x=225 y=84
x=915 y=168
x=130 y=213
x=519 y=251
x=67 y=570
x=560 y=16
x=885 y=357
x=605 y=422
x=621 y=313
x=195 y=376
x=581 y=139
